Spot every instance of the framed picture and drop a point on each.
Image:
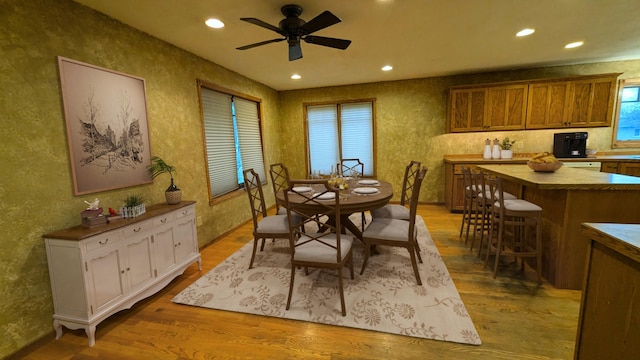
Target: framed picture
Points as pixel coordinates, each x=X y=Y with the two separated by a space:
x=107 y=128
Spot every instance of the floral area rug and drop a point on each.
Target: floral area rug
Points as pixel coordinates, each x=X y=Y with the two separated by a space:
x=385 y=298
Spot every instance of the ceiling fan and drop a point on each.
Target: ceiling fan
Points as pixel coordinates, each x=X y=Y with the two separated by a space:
x=295 y=29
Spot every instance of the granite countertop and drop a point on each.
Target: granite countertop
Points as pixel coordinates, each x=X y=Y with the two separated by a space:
x=523 y=158
x=566 y=178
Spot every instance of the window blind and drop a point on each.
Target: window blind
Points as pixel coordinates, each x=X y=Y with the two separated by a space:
x=354 y=139
x=220 y=144
x=322 y=128
x=249 y=136
x=357 y=133
x=233 y=140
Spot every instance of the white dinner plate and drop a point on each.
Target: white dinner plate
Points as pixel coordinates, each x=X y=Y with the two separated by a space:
x=325 y=196
x=368 y=182
x=365 y=190
x=302 y=189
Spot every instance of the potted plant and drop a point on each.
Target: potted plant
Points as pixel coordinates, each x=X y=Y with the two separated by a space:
x=133 y=206
x=506 y=152
x=158 y=167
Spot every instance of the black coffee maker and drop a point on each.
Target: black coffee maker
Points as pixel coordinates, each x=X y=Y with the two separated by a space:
x=570 y=145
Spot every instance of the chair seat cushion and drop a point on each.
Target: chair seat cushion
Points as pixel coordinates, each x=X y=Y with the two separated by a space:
x=273 y=224
x=519 y=205
x=388 y=229
x=505 y=195
x=282 y=211
x=393 y=211
x=314 y=251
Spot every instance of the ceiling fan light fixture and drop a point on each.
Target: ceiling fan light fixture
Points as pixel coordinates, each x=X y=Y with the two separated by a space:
x=387 y=68
x=525 y=32
x=296 y=77
x=574 y=44
x=214 y=23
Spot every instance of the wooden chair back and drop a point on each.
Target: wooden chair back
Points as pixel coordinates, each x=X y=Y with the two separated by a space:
x=346 y=167
x=410 y=174
x=279 y=180
x=253 y=186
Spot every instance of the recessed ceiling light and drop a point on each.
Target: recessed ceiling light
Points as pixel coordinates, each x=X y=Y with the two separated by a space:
x=525 y=32
x=214 y=23
x=296 y=77
x=574 y=45
x=387 y=68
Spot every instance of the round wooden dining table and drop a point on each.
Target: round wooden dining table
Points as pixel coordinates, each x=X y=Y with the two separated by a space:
x=355 y=203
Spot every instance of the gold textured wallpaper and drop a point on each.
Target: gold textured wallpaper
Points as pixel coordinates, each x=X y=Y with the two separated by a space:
x=36 y=192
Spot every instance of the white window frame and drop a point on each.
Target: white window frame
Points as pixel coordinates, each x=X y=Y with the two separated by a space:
x=232 y=140
x=336 y=138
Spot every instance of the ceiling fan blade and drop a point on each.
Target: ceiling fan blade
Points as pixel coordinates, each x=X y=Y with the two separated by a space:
x=321 y=21
x=295 y=51
x=265 y=25
x=259 y=44
x=327 y=41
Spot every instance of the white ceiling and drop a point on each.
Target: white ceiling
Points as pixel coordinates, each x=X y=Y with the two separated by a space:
x=419 y=38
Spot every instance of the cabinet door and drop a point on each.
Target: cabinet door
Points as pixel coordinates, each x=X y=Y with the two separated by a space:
x=609 y=167
x=138 y=254
x=506 y=107
x=591 y=102
x=105 y=278
x=629 y=168
x=139 y=270
x=185 y=239
x=547 y=105
x=467 y=109
x=164 y=252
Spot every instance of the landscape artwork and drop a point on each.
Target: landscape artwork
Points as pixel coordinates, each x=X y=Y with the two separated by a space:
x=107 y=128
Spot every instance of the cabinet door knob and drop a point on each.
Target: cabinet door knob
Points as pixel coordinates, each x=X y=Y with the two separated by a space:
x=136 y=230
x=101 y=242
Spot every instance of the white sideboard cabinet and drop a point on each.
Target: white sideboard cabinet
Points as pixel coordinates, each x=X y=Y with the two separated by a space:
x=96 y=272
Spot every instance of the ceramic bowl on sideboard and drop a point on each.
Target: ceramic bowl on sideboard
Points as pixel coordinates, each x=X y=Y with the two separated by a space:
x=544 y=167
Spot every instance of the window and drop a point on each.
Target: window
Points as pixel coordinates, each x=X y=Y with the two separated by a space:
x=340 y=131
x=627 y=127
x=233 y=140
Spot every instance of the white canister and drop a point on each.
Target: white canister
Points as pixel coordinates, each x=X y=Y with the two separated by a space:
x=496 y=149
x=487 y=149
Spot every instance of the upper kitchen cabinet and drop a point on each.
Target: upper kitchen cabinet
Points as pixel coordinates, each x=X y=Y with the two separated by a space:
x=487 y=108
x=507 y=107
x=548 y=105
x=591 y=101
x=467 y=109
x=585 y=101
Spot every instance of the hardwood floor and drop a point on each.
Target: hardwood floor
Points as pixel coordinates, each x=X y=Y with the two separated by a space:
x=516 y=319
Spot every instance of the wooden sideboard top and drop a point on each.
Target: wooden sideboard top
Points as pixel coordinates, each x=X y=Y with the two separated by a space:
x=622 y=238
x=80 y=232
x=565 y=178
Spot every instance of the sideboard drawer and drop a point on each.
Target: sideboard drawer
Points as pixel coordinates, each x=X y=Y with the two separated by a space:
x=184 y=212
x=163 y=219
x=137 y=228
x=102 y=241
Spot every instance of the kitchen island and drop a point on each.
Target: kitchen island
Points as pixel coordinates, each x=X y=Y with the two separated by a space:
x=568 y=198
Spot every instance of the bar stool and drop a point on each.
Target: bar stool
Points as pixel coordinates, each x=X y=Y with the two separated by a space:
x=483 y=208
x=467 y=202
x=510 y=230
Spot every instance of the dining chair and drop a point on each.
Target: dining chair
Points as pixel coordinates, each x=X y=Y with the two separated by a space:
x=326 y=249
x=395 y=211
x=279 y=181
x=512 y=222
x=398 y=233
x=264 y=226
x=353 y=167
x=347 y=167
